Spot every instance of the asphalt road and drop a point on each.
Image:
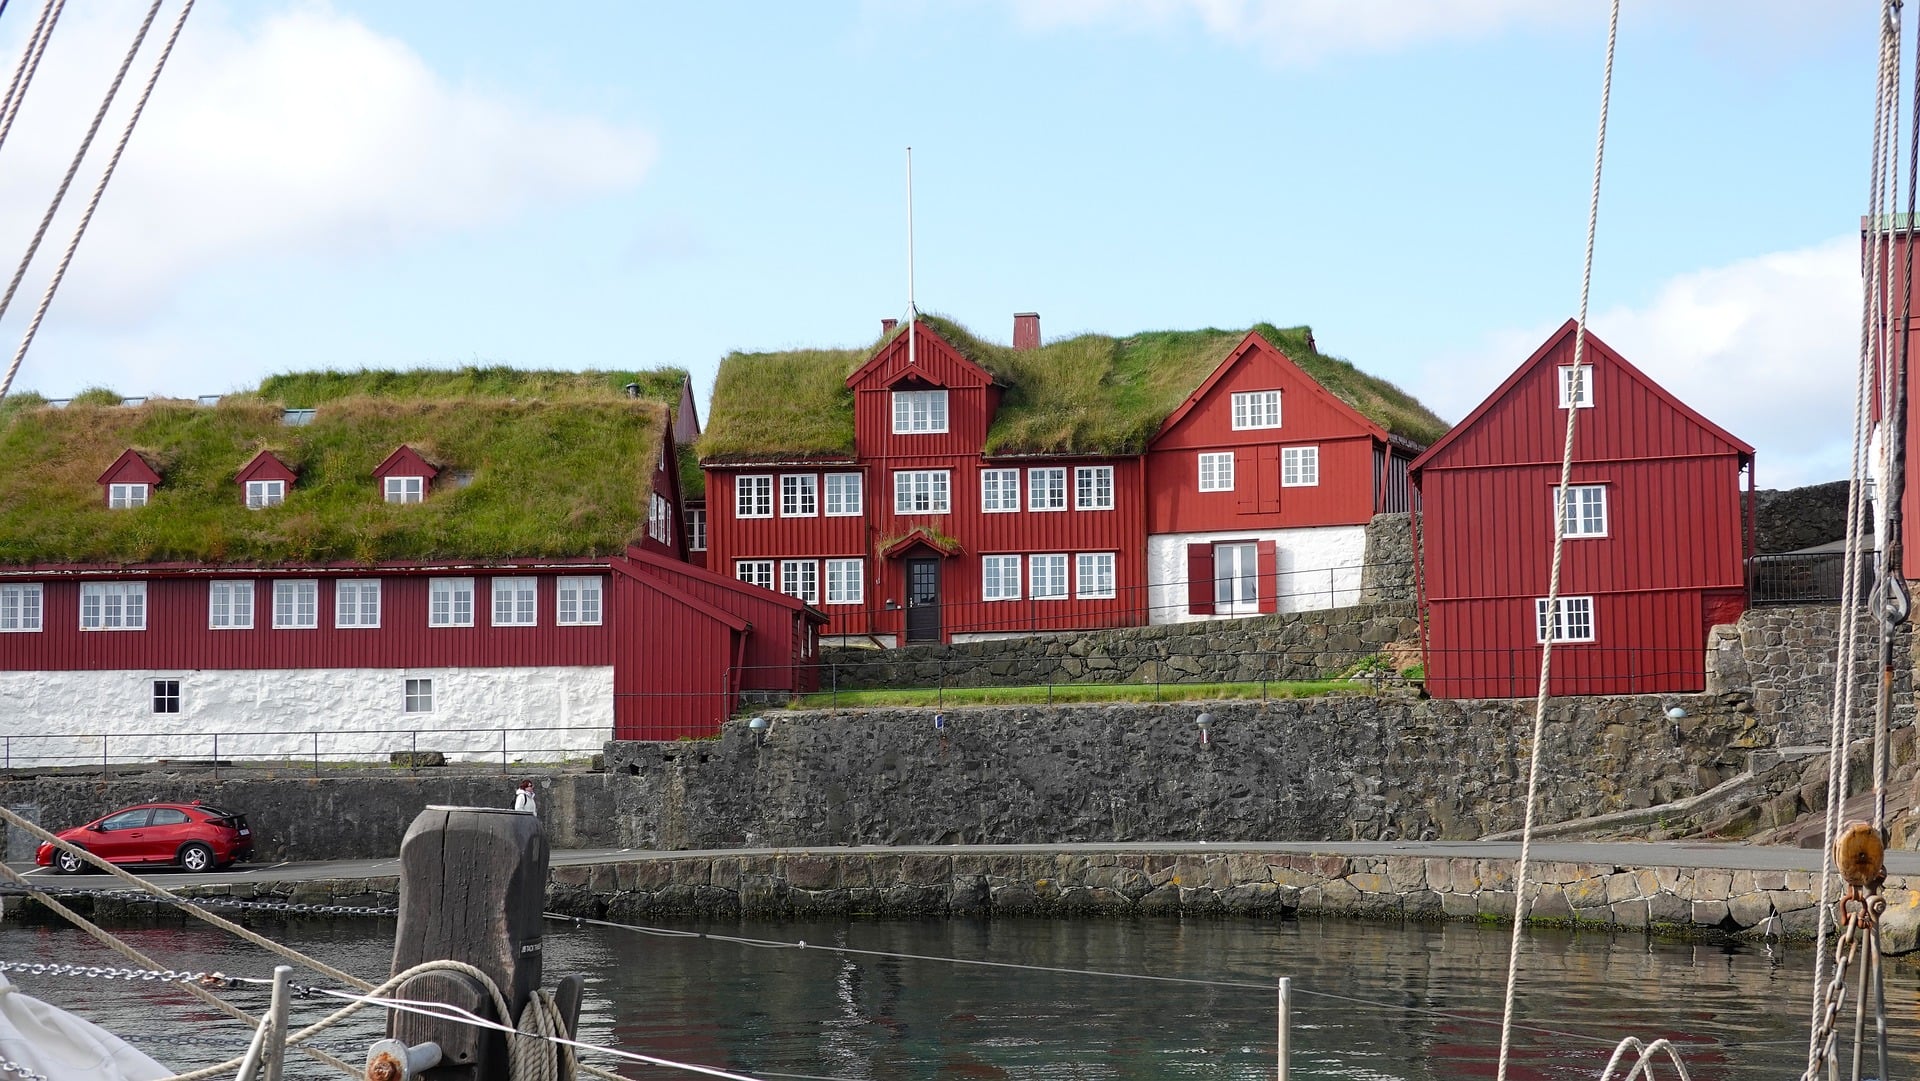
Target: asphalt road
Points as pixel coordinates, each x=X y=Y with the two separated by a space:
x=1729 y=857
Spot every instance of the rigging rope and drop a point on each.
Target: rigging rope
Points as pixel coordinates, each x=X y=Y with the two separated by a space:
x=29 y=64
x=99 y=190
x=39 y=234
x=1552 y=619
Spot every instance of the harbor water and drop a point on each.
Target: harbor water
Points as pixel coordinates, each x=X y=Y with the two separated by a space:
x=1055 y=999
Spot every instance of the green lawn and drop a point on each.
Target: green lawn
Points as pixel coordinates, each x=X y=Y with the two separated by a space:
x=1077 y=692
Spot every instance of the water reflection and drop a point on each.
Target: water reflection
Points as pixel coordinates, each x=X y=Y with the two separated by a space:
x=1371 y=1001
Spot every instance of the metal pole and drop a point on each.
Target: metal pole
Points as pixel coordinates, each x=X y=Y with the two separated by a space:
x=216 y=756
x=316 y=752
x=503 y=752
x=1286 y=1008
x=276 y=1050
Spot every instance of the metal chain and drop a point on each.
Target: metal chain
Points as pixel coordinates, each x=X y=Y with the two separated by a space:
x=12 y=1067
x=1859 y=917
x=288 y=907
x=104 y=972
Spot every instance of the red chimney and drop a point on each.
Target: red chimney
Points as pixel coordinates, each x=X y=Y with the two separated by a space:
x=1026 y=330
x=887 y=325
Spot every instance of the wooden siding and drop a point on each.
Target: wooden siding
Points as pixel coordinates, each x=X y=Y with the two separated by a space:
x=1644 y=643
x=1344 y=496
x=676 y=675
x=178 y=638
x=777 y=650
x=936 y=366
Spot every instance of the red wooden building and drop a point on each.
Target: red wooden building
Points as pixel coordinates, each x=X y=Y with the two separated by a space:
x=461 y=576
x=1656 y=540
x=972 y=491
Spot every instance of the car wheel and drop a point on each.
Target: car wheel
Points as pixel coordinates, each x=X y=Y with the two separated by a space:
x=69 y=864
x=196 y=857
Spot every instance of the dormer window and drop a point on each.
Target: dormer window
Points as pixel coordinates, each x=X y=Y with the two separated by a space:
x=126 y=495
x=406 y=489
x=1576 y=386
x=917 y=412
x=266 y=493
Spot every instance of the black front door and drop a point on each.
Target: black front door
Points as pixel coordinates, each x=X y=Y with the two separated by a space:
x=923 y=600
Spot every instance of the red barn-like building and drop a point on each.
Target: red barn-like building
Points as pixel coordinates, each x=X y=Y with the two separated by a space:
x=1656 y=540
x=938 y=488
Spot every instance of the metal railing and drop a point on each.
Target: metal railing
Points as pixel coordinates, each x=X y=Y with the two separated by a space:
x=313 y=750
x=1804 y=577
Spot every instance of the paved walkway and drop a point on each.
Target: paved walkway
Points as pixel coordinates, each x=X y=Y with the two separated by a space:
x=1730 y=857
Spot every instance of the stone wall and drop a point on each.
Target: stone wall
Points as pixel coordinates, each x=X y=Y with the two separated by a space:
x=1795 y=518
x=342 y=815
x=1337 y=768
x=1297 y=645
x=1784 y=659
x=1387 y=576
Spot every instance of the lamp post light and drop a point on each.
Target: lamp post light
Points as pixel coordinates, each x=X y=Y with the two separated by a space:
x=1203 y=723
x=758 y=726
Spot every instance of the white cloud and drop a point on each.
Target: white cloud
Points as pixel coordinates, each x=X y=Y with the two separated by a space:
x=298 y=134
x=1765 y=347
x=1305 y=31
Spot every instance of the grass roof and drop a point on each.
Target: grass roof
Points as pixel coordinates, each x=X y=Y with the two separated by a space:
x=566 y=476
x=1087 y=394
x=305 y=390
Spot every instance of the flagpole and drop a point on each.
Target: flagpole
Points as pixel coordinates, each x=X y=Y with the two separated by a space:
x=913 y=313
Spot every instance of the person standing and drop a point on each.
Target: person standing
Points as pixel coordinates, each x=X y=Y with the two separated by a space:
x=523 y=798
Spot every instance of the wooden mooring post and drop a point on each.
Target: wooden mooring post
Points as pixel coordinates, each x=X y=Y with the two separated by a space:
x=473 y=888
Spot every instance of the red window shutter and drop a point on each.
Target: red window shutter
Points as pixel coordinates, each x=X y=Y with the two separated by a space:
x=1269 y=564
x=1246 y=481
x=1269 y=479
x=1200 y=579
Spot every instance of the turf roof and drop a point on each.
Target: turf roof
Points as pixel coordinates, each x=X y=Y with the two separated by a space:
x=1087 y=394
x=564 y=476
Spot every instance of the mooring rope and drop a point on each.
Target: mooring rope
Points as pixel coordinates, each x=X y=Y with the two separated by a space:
x=1553 y=615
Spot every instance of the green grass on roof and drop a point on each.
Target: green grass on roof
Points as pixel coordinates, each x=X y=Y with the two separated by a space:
x=565 y=478
x=1087 y=394
x=304 y=390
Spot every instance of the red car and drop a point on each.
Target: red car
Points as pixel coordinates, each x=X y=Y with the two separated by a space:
x=191 y=835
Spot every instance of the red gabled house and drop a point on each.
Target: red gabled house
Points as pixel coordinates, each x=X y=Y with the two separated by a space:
x=937 y=488
x=1657 y=533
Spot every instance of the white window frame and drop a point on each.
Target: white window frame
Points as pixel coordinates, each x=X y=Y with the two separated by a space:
x=516 y=601
x=1586 y=511
x=266 y=493
x=116 y=606
x=404 y=488
x=1571 y=612
x=23 y=608
x=919 y=412
x=1088 y=492
x=660 y=519
x=1569 y=381
x=1256 y=409
x=237 y=595
x=1229 y=590
x=846 y=581
x=1000 y=578
x=908 y=493
x=123 y=496
x=356 y=603
x=445 y=599
x=1216 y=471
x=696 y=529
x=1047 y=572
x=799 y=495
x=296 y=604
x=845 y=495
x=1047 y=488
x=578 y=601
x=999 y=491
x=753 y=495
x=800 y=579
x=1299 y=467
x=1098 y=566
x=754 y=572
x=416 y=696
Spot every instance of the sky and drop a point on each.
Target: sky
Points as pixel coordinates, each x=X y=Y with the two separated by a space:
x=627 y=185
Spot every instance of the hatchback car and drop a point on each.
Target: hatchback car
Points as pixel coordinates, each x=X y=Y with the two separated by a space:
x=190 y=835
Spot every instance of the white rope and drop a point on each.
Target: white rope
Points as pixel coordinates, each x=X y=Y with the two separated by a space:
x=1643 y=1066
x=39 y=234
x=93 y=204
x=1553 y=579
x=29 y=64
x=1841 y=710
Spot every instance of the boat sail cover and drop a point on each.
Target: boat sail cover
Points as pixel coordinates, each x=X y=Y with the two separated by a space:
x=51 y=1041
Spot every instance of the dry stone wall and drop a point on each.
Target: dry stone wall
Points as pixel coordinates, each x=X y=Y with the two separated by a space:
x=1785 y=659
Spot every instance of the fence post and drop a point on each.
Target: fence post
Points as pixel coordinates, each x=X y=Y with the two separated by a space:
x=316 y=752
x=503 y=752
x=413 y=751
x=216 y=756
x=106 y=767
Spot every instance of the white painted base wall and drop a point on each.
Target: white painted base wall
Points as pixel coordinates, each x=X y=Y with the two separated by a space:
x=1318 y=568
x=338 y=714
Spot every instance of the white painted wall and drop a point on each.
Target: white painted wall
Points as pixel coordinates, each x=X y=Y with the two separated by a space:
x=63 y=718
x=1318 y=568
